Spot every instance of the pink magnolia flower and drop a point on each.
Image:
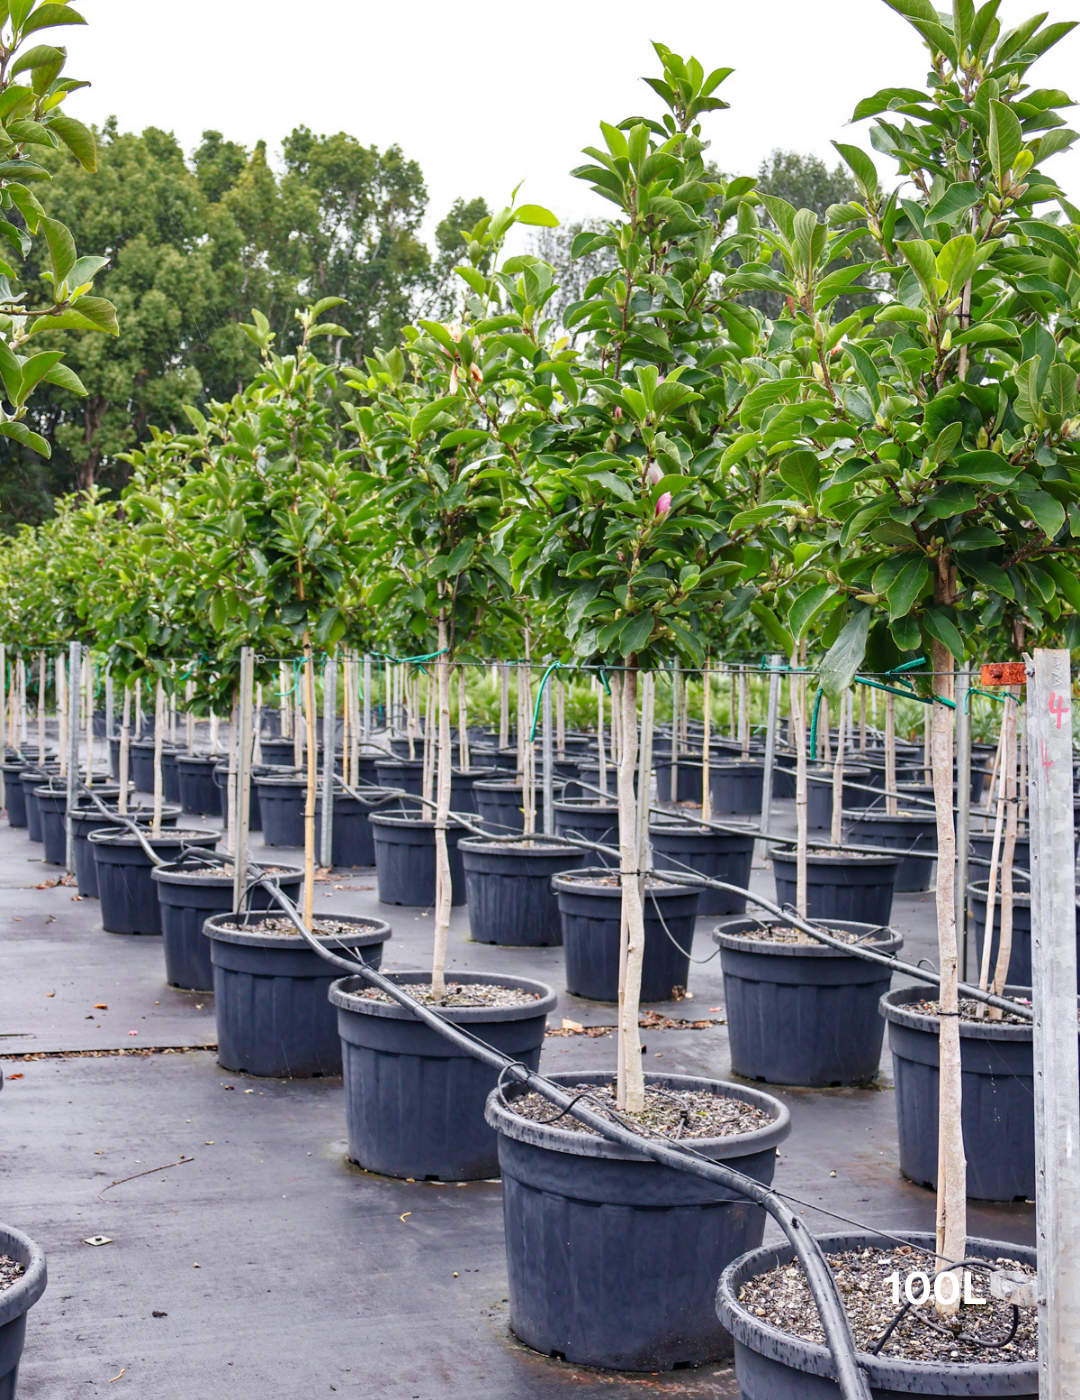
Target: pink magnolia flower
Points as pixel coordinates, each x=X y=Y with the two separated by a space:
x=654 y=474
x=663 y=505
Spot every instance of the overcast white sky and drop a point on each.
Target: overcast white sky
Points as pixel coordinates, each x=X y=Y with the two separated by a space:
x=488 y=93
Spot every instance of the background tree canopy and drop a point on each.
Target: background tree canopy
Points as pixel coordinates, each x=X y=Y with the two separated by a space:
x=194 y=243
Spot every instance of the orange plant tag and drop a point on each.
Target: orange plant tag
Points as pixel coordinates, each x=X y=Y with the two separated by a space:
x=1003 y=673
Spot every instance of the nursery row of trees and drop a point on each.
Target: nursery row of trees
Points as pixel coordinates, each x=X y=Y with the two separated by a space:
x=882 y=468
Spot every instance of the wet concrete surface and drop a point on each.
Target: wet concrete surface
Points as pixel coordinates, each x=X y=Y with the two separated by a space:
x=281 y=1271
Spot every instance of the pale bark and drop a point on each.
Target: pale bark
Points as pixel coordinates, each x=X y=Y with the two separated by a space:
x=60 y=681
x=601 y=748
x=733 y=706
x=504 y=705
x=890 y=754
x=824 y=754
x=443 y=888
x=631 y=1084
x=284 y=713
x=1011 y=820
x=862 y=719
x=744 y=712
x=838 y=779
x=231 y=811
x=798 y=729
x=410 y=713
x=89 y=717
x=159 y=744
x=310 y=720
x=463 y=722
x=189 y=717
x=526 y=749
x=1004 y=746
x=560 y=718
x=952 y=1164
x=431 y=734
x=41 y=707
x=125 y=751
x=706 y=718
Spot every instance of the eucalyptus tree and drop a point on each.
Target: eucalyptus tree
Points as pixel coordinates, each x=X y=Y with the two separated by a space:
x=934 y=444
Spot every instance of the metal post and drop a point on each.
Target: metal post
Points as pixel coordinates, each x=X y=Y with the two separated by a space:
x=548 y=753
x=776 y=662
x=674 y=770
x=1053 y=994
x=367 y=698
x=3 y=722
x=110 y=704
x=963 y=813
x=74 y=666
x=326 y=826
x=242 y=792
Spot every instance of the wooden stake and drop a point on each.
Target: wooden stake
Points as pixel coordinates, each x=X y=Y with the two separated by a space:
x=706 y=720
x=838 y=779
x=312 y=763
x=124 y=766
x=798 y=728
x=242 y=799
x=159 y=745
x=630 y=1095
x=443 y=879
x=890 y=755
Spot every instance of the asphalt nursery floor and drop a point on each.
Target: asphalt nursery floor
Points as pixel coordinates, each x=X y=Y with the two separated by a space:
x=267 y=1266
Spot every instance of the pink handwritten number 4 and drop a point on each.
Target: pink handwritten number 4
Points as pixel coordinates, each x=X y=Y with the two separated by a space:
x=1059 y=707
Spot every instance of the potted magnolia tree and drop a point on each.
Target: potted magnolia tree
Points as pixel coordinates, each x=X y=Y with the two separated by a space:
x=948 y=424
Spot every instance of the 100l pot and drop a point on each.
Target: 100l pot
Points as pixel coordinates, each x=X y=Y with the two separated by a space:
x=405 y=859
x=508 y=889
x=16 y=1302
x=129 y=902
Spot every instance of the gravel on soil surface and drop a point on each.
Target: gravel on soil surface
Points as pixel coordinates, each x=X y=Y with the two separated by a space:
x=459 y=994
x=782 y=1297
x=668 y=1113
x=613 y=880
x=10 y=1272
x=784 y=933
x=285 y=928
x=970 y=1010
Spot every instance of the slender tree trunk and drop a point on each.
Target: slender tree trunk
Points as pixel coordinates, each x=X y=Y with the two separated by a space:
x=838 y=779
x=159 y=744
x=431 y=734
x=283 y=700
x=862 y=719
x=312 y=777
x=443 y=887
x=600 y=746
x=631 y=1083
x=232 y=812
x=733 y=705
x=798 y=730
x=744 y=712
x=189 y=717
x=1007 y=723
x=60 y=681
x=824 y=735
x=890 y=754
x=504 y=705
x=952 y=1164
x=560 y=718
x=41 y=707
x=463 y=722
x=125 y=751
x=1011 y=819
x=89 y=693
x=706 y=719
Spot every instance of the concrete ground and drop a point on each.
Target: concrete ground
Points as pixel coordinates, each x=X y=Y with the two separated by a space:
x=264 y=1265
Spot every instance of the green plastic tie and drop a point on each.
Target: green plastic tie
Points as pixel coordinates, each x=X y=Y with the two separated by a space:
x=555 y=665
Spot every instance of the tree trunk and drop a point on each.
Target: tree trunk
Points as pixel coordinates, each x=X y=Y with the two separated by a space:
x=443 y=887
x=1011 y=817
x=1007 y=723
x=41 y=707
x=600 y=746
x=462 y=722
x=431 y=735
x=631 y=1082
x=798 y=732
x=125 y=751
x=744 y=711
x=952 y=1165
x=284 y=712
x=89 y=693
x=504 y=705
x=890 y=754
x=60 y=680
x=838 y=779
x=159 y=744
x=560 y=718
x=309 y=799
x=706 y=719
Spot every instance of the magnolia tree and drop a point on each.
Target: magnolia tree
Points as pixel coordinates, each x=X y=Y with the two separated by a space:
x=925 y=452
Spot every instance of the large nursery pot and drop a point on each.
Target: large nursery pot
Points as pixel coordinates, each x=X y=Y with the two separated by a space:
x=774 y=1365
x=278 y=752
x=52 y=812
x=998 y=1106
x=462 y=796
x=722 y=855
x=406 y=774
x=16 y=1302
x=840 y=886
x=613 y=1258
x=803 y=1013
x=912 y=833
x=688 y=786
x=129 y=902
x=590 y=902
x=819 y=795
x=190 y=890
x=199 y=793
x=30 y=779
x=353 y=839
x=87 y=819
x=735 y=786
x=590 y=785
x=1019 y=973
x=281 y=804
x=982 y=844
x=170 y=776
x=589 y=818
x=274 y=1017
x=221 y=782
x=13 y=789
x=500 y=805
x=414 y=1102
x=141 y=763
x=508 y=889
x=405 y=858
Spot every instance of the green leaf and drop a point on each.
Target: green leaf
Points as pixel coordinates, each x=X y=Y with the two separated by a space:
x=801 y=471
x=61 y=249
x=1047 y=513
x=22 y=434
x=1006 y=139
x=1065 y=578
x=537 y=215
x=10 y=371
x=77 y=138
x=845 y=656
x=905 y=589
x=956 y=200
x=920 y=256
x=807 y=606
x=942 y=628
x=983 y=468
x=988 y=574
x=40 y=56
x=1059 y=396
x=635 y=633
x=861 y=166
x=49 y=16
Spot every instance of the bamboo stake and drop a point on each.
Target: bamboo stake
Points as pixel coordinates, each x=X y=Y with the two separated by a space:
x=41 y=707
x=443 y=880
x=601 y=747
x=309 y=802
x=706 y=718
x=159 y=744
x=631 y=1083
x=88 y=694
x=890 y=754
x=838 y=779
x=124 y=766
x=463 y=722
x=299 y=701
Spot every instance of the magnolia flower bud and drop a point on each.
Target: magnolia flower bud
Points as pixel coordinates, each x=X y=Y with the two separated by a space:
x=654 y=475
x=663 y=505
x=455 y=331
x=618 y=414
x=454 y=380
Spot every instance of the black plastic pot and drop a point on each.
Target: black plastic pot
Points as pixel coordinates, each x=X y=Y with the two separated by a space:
x=221 y=782
x=16 y=1302
x=88 y=819
x=852 y=888
x=404 y=773
x=588 y=817
x=129 y=902
x=170 y=777
x=30 y=779
x=189 y=890
x=199 y=793
x=354 y=841
x=52 y=813
x=783 y=782
x=508 y=890
x=819 y=795
x=414 y=1103
x=803 y=1013
x=982 y=844
x=589 y=772
x=774 y=1364
x=499 y=805
x=13 y=789
x=910 y=832
x=278 y=752
x=1019 y=974
x=141 y=763
x=590 y=916
x=735 y=786
x=462 y=796
x=613 y=1258
x=721 y=855
x=689 y=779
x=281 y=805
x=998 y=1105
x=405 y=859
x=274 y=1017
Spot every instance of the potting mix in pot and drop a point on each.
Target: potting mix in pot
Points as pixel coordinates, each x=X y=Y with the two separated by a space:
x=527 y=584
